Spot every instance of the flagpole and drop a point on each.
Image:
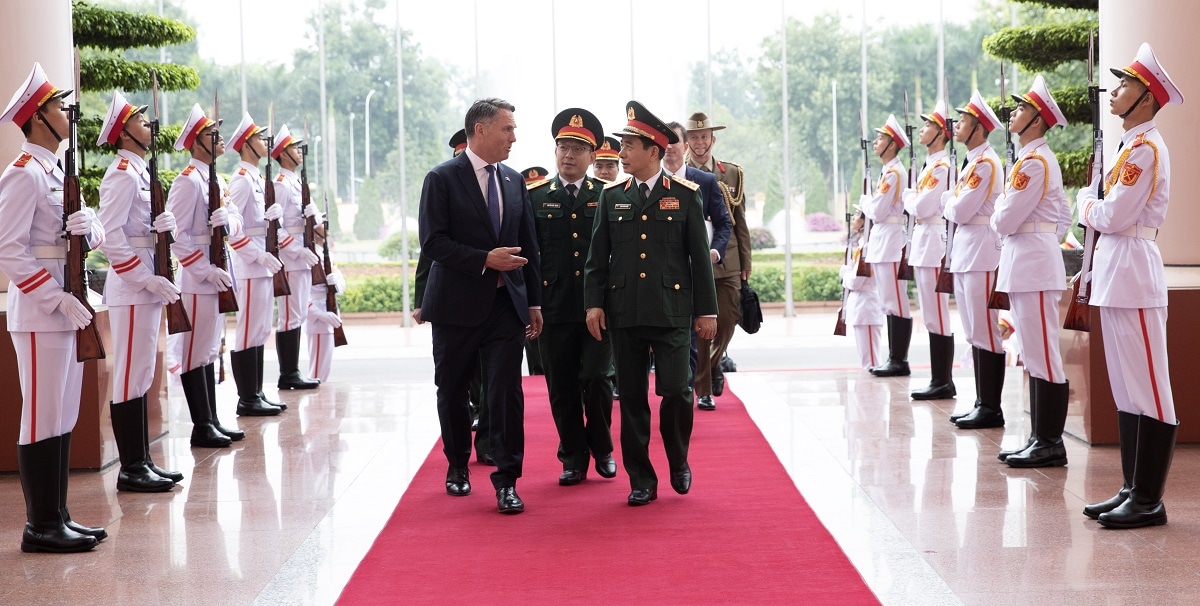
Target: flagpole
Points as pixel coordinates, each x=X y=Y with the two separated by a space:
x=406 y=319
x=788 y=309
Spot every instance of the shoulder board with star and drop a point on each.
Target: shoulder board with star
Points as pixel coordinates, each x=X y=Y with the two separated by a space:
x=618 y=183
x=1140 y=139
x=692 y=185
x=721 y=164
x=241 y=171
x=123 y=164
x=537 y=184
x=24 y=159
x=279 y=179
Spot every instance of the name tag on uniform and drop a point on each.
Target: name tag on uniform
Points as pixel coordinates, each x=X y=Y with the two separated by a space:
x=591 y=204
x=551 y=205
x=668 y=204
x=622 y=206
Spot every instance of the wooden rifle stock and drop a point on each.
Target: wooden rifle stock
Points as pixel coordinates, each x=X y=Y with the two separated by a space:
x=331 y=305
x=1079 y=315
x=177 y=319
x=218 y=254
x=88 y=344
x=998 y=298
x=279 y=280
x=839 y=328
x=945 y=279
x=310 y=223
x=904 y=271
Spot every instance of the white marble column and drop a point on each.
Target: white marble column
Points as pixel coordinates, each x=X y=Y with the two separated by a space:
x=29 y=32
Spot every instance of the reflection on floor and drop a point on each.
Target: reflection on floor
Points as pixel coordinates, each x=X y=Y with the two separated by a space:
x=925 y=511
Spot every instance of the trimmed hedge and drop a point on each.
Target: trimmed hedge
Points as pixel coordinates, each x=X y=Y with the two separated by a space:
x=108 y=29
x=809 y=283
x=1037 y=48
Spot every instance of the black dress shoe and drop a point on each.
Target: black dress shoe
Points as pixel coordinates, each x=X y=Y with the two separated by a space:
x=486 y=459
x=681 y=479
x=256 y=408
x=458 y=482
x=706 y=403
x=507 y=500
x=571 y=477
x=606 y=466
x=280 y=405
x=981 y=418
x=294 y=380
x=718 y=381
x=642 y=496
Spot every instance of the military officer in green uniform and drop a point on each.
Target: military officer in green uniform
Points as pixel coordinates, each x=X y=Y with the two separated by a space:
x=735 y=266
x=648 y=274
x=578 y=369
x=607 y=167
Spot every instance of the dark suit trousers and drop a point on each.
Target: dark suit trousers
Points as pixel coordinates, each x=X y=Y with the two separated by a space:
x=672 y=382
x=457 y=350
x=710 y=353
x=579 y=377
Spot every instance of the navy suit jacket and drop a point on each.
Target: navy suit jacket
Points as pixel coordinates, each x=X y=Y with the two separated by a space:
x=714 y=208
x=456 y=235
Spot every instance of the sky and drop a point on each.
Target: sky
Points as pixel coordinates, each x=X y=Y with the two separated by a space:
x=592 y=66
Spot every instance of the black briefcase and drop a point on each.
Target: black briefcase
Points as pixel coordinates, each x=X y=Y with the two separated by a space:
x=752 y=316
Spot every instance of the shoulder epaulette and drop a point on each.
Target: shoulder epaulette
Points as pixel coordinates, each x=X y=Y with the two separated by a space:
x=187 y=171
x=1140 y=139
x=537 y=184
x=692 y=185
x=242 y=171
x=619 y=183
x=123 y=164
x=279 y=178
x=23 y=160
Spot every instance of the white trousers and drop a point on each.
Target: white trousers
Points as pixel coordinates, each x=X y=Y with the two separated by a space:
x=981 y=325
x=893 y=293
x=1035 y=320
x=202 y=345
x=255 y=297
x=1135 y=348
x=935 y=306
x=293 y=309
x=869 y=339
x=51 y=381
x=135 y=345
x=320 y=355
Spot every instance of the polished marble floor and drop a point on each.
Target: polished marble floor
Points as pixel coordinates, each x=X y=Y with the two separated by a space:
x=924 y=511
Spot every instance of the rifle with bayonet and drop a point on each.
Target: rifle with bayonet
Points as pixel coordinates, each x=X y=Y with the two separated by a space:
x=864 y=269
x=310 y=223
x=1078 y=313
x=999 y=298
x=839 y=328
x=177 y=319
x=88 y=344
x=904 y=271
x=945 y=281
x=331 y=305
x=218 y=254
x=279 y=280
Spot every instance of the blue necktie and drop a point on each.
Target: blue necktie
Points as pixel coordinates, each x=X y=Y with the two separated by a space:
x=493 y=199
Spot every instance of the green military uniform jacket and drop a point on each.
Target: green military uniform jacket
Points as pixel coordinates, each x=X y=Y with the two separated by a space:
x=732 y=182
x=564 y=231
x=649 y=263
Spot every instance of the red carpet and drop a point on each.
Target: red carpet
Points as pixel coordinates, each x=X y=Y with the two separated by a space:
x=743 y=535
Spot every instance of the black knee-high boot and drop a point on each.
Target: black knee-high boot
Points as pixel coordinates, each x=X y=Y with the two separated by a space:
x=941 y=369
x=130 y=434
x=975 y=369
x=64 y=474
x=1033 y=425
x=245 y=376
x=1050 y=417
x=204 y=429
x=173 y=476
x=210 y=378
x=1144 y=507
x=1127 y=428
x=39 y=467
x=899 y=337
x=287 y=343
x=258 y=356
x=991 y=388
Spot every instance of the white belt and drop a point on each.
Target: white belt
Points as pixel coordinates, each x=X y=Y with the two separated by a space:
x=1037 y=227
x=49 y=252
x=202 y=239
x=897 y=220
x=979 y=220
x=937 y=221
x=255 y=231
x=141 y=241
x=1139 y=231
x=294 y=225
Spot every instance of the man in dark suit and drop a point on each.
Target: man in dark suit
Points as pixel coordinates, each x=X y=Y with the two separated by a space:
x=482 y=296
x=648 y=274
x=578 y=369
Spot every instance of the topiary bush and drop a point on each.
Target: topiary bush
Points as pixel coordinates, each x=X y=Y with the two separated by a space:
x=824 y=222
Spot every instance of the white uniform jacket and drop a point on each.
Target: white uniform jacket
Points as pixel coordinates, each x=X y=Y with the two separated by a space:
x=970 y=205
x=32 y=249
x=886 y=211
x=1031 y=216
x=1127 y=269
x=925 y=205
x=862 y=304
x=128 y=241
x=188 y=201
x=246 y=190
x=291 y=237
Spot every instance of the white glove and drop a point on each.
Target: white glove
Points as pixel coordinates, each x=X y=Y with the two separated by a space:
x=328 y=317
x=1084 y=195
x=274 y=212
x=164 y=223
x=312 y=211
x=908 y=193
x=269 y=261
x=219 y=278
x=337 y=280
x=75 y=312
x=80 y=223
x=164 y=288
x=947 y=197
x=219 y=217
x=309 y=257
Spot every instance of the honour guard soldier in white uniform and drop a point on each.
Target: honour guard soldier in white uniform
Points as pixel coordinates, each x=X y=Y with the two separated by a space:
x=928 y=246
x=42 y=317
x=297 y=261
x=885 y=245
x=1129 y=287
x=1032 y=216
x=319 y=323
x=863 y=310
x=134 y=294
x=200 y=280
x=974 y=256
x=254 y=266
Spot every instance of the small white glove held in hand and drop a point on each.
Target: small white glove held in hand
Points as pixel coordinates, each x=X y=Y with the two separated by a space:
x=274 y=212
x=269 y=261
x=337 y=279
x=163 y=288
x=328 y=317
x=76 y=313
x=219 y=217
x=80 y=222
x=309 y=257
x=219 y=278
x=312 y=211
x=164 y=223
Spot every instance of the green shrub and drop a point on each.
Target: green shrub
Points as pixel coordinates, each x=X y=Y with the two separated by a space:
x=768 y=283
x=374 y=294
x=390 y=249
x=817 y=284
